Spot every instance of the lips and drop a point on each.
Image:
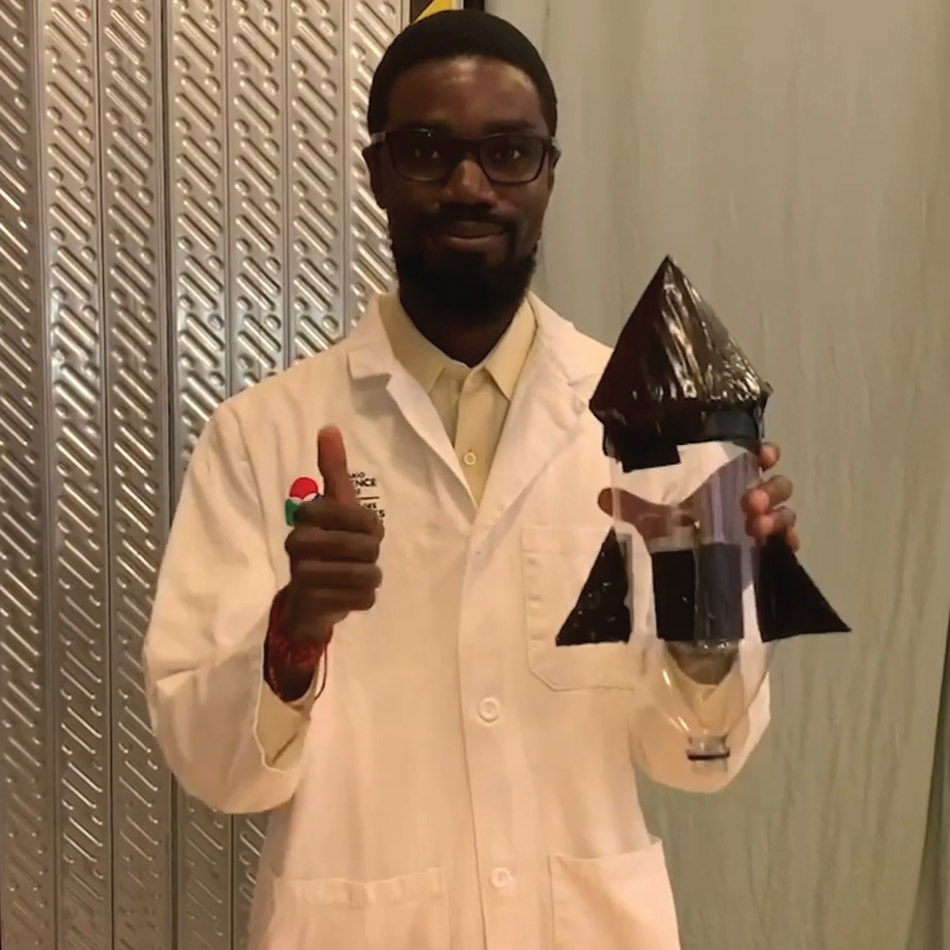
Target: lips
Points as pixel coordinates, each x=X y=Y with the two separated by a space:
x=470 y=229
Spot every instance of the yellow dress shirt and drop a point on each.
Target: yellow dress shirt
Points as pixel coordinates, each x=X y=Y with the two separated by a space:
x=471 y=402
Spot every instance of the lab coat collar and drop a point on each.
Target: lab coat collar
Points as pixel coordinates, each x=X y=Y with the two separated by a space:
x=577 y=357
x=548 y=402
x=370 y=358
x=369 y=353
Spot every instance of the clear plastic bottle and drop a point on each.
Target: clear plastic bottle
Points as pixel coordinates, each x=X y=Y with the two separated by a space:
x=692 y=574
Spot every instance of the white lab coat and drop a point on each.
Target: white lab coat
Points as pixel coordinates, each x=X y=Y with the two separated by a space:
x=463 y=782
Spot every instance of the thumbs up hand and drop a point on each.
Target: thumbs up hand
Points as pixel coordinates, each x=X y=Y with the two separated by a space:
x=333 y=550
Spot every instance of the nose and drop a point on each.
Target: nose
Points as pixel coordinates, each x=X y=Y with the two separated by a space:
x=469 y=185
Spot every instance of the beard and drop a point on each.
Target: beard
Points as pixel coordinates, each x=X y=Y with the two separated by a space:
x=463 y=286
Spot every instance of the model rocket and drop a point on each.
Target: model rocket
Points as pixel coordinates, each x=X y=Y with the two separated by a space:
x=682 y=406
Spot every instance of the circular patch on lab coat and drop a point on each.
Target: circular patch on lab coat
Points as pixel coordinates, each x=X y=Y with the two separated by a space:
x=302 y=490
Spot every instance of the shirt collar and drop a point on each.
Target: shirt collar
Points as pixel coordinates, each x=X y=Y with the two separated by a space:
x=426 y=362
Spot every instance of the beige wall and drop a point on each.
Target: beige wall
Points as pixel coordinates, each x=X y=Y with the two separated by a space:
x=795 y=159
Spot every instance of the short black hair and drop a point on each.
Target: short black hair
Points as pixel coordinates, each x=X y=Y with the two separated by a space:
x=451 y=34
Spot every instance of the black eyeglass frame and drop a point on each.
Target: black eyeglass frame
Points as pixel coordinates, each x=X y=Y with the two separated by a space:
x=472 y=148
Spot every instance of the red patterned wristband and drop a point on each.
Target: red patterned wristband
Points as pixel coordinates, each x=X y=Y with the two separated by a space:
x=289 y=665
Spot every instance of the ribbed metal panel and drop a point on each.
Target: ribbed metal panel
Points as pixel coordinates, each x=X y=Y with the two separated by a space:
x=184 y=212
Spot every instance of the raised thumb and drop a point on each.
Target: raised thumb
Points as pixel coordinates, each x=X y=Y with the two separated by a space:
x=331 y=460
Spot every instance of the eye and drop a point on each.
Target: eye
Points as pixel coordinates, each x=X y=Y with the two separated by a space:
x=425 y=152
x=507 y=153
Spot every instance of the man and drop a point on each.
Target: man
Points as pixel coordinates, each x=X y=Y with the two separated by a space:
x=441 y=774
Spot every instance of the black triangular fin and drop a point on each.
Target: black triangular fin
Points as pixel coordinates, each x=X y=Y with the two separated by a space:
x=601 y=614
x=789 y=601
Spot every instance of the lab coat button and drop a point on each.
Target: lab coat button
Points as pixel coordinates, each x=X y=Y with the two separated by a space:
x=469 y=458
x=489 y=709
x=501 y=878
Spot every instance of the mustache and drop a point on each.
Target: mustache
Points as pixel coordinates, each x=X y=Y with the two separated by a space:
x=448 y=215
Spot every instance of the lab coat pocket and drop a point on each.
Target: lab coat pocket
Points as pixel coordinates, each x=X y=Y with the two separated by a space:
x=557 y=562
x=404 y=913
x=615 y=903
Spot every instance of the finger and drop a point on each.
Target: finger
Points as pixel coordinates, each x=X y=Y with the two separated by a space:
x=755 y=502
x=323 y=602
x=319 y=633
x=792 y=538
x=778 y=521
x=336 y=575
x=331 y=515
x=331 y=460
x=769 y=455
x=778 y=489
x=308 y=542
x=769 y=494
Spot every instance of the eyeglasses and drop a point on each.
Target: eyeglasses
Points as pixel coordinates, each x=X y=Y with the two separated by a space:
x=507 y=158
